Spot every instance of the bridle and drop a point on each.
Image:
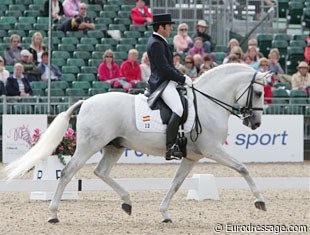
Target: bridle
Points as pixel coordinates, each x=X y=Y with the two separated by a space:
x=246 y=111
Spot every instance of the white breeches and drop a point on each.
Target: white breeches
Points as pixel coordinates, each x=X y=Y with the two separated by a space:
x=172 y=98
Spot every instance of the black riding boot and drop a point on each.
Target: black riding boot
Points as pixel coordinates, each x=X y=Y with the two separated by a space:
x=173 y=151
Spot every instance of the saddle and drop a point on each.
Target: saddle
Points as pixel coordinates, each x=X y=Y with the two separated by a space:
x=155 y=102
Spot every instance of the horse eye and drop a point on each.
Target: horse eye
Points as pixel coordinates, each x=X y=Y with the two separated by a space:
x=258 y=93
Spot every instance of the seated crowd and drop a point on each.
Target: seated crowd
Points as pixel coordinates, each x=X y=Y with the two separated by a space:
x=193 y=54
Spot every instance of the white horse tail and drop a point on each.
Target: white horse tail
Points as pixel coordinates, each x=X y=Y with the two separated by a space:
x=46 y=145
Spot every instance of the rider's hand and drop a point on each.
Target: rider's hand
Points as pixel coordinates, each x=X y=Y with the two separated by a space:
x=188 y=81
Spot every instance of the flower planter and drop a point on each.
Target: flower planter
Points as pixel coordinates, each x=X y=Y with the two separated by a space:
x=50 y=169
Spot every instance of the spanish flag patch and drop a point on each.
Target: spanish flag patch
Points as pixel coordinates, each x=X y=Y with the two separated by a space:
x=146 y=118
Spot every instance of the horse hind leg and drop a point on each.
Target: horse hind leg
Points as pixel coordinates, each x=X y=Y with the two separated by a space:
x=227 y=160
x=111 y=155
x=76 y=163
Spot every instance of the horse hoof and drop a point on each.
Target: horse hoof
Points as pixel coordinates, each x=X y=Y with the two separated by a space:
x=127 y=208
x=53 y=221
x=167 y=221
x=260 y=205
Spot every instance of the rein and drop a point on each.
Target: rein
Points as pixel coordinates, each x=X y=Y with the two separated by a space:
x=246 y=111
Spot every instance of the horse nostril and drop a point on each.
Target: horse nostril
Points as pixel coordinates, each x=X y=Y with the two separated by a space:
x=256 y=125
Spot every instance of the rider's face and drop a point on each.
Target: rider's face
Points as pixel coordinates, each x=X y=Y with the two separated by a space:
x=167 y=30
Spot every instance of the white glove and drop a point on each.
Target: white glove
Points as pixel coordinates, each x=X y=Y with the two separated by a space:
x=188 y=81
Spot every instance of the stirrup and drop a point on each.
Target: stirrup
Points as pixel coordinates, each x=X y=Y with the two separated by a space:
x=174 y=153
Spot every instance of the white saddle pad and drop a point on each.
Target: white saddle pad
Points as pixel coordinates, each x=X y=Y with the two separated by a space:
x=148 y=120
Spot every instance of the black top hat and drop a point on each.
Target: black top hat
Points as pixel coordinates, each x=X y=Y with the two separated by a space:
x=162 y=19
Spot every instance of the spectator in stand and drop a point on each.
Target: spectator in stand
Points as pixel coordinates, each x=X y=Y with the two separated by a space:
x=237 y=51
x=197 y=48
x=233 y=58
x=30 y=70
x=108 y=70
x=190 y=67
x=201 y=31
x=233 y=42
x=177 y=60
x=263 y=67
x=182 y=42
x=12 y=54
x=2 y=88
x=248 y=59
x=253 y=43
x=71 y=7
x=4 y=74
x=145 y=67
x=141 y=14
x=130 y=69
x=87 y=22
x=198 y=62
x=307 y=50
x=57 y=10
x=44 y=71
x=36 y=47
x=17 y=84
x=301 y=79
x=253 y=53
x=71 y=24
x=208 y=64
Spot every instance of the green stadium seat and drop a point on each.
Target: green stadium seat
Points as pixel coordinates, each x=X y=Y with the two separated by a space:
x=127 y=7
x=131 y=34
x=264 y=42
x=32 y=32
x=8 y=20
x=85 y=55
x=26 y=20
x=77 y=34
x=95 y=34
x=143 y=40
x=294 y=56
x=75 y=92
x=75 y=62
x=41 y=27
x=124 y=47
x=131 y=41
x=103 y=20
x=91 y=40
x=88 y=77
x=301 y=37
x=61 y=54
x=58 y=33
x=280 y=96
x=141 y=48
x=59 y=62
x=70 y=69
x=283 y=6
x=34 y=13
x=147 y=34
x=16 y=14
x=274 y=110
x=285 y=85
x=281 y=37
x=102 y=48
x=294 y=110
x=298 y=43
x=59 y=85
x=116 y=90
x=107 y=14
x=119 y=27
x=94 y=62
x=3 y=33
x=100 y=84
x=299 y=97
x=97 y=55
x=219 y=57
x=36 y=7
x=37 y=92
x=55 y=92
x=110 y=41
x=122 y=55
x=23 y=26
x=124 y=14
x=39 y=85
x=114 y=8
x=25 y=2
x=70 y=40
x=17 y=7
x=19 y=32
x=85 y=47
x=7 y=2
x=68 y=77
x=95 y=91
x=66 y=47
x=116 y=2
x=89 y=69
x=94 y=7
x=123 y=21
x=295 y=12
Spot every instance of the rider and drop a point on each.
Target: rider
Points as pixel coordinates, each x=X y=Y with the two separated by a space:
x=162 y=69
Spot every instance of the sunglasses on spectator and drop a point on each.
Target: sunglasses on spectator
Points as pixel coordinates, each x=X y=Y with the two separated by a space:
x=83 y=8
x=264 y=65
x=108 y=56
x=189 y=62
x=183 y=29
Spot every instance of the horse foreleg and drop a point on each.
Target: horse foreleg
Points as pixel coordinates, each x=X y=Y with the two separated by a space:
x=76 y=162
x=227 y=160
x=185 y=167
x=103 y=169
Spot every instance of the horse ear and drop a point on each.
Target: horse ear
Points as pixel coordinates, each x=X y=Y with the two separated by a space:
x=265 y=77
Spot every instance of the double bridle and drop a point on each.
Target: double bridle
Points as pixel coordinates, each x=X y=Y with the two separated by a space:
x=246 y=111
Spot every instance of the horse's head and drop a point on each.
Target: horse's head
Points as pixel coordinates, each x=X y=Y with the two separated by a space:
x=251 y=100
